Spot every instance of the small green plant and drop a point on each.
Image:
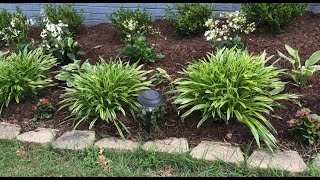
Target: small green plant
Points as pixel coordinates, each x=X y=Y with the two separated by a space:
x=161 y=76
x=276 y=15
x=227 y=35
x=42 y=110
x=189 y=17
x=301 y=73
x=24 y=74
x=57 y=40
x=14 y=27
x=233 y=84
x=128 y=21
x=305 y=126
x=103 y=90
x=137 y=49
x=65 y=13
x=67 y=72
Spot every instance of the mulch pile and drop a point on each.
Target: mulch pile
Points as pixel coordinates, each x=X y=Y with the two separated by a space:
x=102 y=40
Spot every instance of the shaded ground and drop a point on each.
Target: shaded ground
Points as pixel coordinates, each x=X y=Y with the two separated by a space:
x=102 y=40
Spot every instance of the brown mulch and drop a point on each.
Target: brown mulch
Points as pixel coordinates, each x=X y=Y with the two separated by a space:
x=102 y=40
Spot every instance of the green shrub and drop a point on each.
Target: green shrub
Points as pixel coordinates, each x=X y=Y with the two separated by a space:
x=128 y=21
x=104 y=89
x=65 y=13
x=24 y=74
x=190 y=17
x=14 y=27
x=137 y=49
x=232 y=84
x=301 y=73
x=274 y=14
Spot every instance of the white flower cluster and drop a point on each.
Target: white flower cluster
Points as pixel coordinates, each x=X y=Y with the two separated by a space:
x=236 y=22
x=130 y=25
x=17 y=26
x=53 y=30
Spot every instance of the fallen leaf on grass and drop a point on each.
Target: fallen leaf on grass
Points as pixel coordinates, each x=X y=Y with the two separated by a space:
x=166 y=172
x=21 y=154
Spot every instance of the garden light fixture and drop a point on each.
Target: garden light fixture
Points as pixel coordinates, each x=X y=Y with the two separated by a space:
x=151 y=100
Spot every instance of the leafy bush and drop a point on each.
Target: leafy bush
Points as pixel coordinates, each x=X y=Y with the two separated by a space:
x=301 y=74
x=57 y=40
x=276 y=15
x=137 y=49
x=42 y=110
x=128 y=21
x=65 y=13
x=233 y=84
x=190 y=17
x=305 y=126
x=226 y=35
x=67 y=72
x=14 y=27
x=161 y=76
x=102 y=90
x=24 y=74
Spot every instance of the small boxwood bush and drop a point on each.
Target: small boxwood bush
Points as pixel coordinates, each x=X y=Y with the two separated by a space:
x=189 y=17
x=233 y=84
x=24 y=74
x=65 y=13
x=100 y=91
x=276 y=15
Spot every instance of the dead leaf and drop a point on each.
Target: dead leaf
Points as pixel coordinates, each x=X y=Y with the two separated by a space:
x=21 y=153
x=229 y=136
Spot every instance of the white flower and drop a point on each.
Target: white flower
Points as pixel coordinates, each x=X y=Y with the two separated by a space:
x=219 y=39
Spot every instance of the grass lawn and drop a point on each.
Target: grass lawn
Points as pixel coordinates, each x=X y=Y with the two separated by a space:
x=48 y=162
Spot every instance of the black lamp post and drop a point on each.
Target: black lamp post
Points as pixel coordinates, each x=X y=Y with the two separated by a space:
x=150 y=100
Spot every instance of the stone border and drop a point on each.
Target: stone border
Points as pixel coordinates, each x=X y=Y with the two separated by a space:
x=207 y=150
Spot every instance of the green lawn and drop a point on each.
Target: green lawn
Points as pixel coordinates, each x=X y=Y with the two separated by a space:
x=48 y=162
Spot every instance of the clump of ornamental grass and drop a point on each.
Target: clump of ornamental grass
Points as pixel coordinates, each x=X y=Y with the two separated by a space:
x=233 y=85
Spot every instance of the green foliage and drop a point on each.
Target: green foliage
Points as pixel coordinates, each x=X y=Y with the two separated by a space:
x=65 y=13
x=305 y=126
x=190 y=17
x=137 y=49
x=66 y=73
x=103 y=90
x=128 y=21
x=14 y=27
x=301 y=73
x=24 y=74
x=276 y=15
x=233 y=84
x=161 y=76
x=42 y=110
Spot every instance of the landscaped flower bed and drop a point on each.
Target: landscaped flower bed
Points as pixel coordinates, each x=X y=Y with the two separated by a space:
x=103 y=40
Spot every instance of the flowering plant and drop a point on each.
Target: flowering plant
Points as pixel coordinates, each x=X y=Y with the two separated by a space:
x=59 y=41
x=14 y=28
x=305 y=126
x=43 y=110
x=227 y=34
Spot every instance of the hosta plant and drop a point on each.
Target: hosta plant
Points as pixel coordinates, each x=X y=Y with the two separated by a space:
x=301 y=73
x=305 y=126
x=105 y=89
x=65 y=13
x=227 y=34
x=233 y=84
x=42 y=110
x=189 y=18
x=24 y=74
x=57 y=40
x=67 y=72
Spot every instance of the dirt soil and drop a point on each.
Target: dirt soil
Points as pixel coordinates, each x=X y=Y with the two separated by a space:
x=102 y=40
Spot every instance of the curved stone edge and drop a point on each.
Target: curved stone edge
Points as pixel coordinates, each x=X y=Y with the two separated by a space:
x=40 y=136
x=9 y=131
x=169 y=145
x=118 y=144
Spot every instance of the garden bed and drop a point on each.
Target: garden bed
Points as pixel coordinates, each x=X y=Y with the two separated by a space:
x=102 y=40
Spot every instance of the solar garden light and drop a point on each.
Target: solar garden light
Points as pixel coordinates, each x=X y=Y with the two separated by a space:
x=150 y=100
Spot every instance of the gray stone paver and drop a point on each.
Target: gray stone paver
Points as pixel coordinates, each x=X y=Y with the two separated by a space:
x=211 y=151
x=40 y=136
x=75 y=140
x=286 y=160
x=115 y=143
x=9 y=131
x=170 y=145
